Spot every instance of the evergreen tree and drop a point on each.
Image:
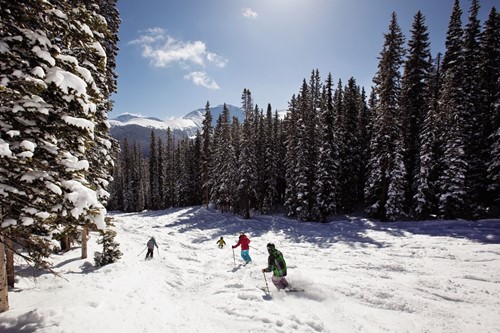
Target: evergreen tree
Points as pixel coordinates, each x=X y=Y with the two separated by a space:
x=414 y=100
x=363 y=133
x=270 y=162
x=306 y=152
x=425 y=197
x=154 y=176
x=247 y=159
x=169 y=171
x=328 y=167
x=49 y=164
x=477 y=150
x=350 y=151
x=291 y=166
x=490 y=104
x=385 y=186
x=224 y=166
x=160 y=174
x=279 y=140
x=206 y=155
x=452 y=198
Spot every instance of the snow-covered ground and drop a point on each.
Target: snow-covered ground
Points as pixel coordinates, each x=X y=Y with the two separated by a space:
x=359 y=276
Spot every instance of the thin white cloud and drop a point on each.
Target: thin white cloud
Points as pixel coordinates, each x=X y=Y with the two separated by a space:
x=202 y=79
x=249 y=13
x=216 y=60
x=149 y=36
x=163 y=50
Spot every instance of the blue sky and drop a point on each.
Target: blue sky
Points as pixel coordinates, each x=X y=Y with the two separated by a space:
x=175 y=55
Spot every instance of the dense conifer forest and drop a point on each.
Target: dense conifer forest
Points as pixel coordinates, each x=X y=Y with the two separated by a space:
x=423 y=143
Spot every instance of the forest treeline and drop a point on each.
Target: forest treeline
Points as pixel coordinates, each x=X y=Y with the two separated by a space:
x=424 y=143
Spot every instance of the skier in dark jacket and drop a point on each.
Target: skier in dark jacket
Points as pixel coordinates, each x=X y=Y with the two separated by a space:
x=276 y=264
x=151 y=246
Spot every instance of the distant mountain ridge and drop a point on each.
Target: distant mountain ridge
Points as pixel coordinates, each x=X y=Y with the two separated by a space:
x=137 y=129
x=198 y=115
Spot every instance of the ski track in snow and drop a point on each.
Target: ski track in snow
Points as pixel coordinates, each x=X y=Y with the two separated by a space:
x=359 y=276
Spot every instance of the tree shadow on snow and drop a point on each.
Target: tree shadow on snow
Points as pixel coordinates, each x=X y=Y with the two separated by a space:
x=25 y=323
x=352 y=230
x=230 y=226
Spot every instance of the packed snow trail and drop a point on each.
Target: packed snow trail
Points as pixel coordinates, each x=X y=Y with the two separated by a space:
x=359 y=276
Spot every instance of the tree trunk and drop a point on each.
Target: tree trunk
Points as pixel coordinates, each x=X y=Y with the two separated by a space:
x=4 y=296
x=65 y=243
x=10 y=262
x=85 y=233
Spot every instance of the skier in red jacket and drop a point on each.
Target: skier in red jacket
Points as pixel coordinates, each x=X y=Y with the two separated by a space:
x=245 y=248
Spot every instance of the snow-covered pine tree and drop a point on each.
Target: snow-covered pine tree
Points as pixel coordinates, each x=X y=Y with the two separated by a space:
x=425 y=197
x=414 y=100
x=477 y=150
x=103 y=20
x=206 y=155
x=50 y=108
x=161 y=174
x=363 y=133
x=154 y=174
x=385 y=186
x=168 y=171
x=291 y=167
x=223 y=172
x=328 y=167
x=247 y=172
x=270 y=162
x=489 y=74
x=259 y=149
x=452 y=186
x=55 y=90
x=279 y=140
x=194 y=171
x=351 y=145
x=306 y=151
x=111 y=251
x=490 y=102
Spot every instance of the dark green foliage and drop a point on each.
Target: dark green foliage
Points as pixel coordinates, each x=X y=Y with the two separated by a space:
x=110 y=249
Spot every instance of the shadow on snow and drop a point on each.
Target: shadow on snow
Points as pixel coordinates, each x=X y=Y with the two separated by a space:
x=352 y=230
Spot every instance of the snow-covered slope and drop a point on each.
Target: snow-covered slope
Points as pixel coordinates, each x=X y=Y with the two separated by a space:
x=137 y=129
x=198 y=115
x=359 y=276
x=128 y=119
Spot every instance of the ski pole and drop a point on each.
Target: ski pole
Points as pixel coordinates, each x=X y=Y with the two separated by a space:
x=256 y=249
x=158 y=250
x=267 y=286
x=142 y=251
x=234 y=259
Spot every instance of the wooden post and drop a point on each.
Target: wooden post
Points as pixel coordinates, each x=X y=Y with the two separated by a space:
x=85 y=233
x=4 y=292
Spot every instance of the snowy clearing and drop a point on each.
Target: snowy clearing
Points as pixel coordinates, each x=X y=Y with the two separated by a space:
x=359 y=276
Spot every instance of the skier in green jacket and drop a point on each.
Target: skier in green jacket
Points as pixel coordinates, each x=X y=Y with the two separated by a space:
x=276 y=264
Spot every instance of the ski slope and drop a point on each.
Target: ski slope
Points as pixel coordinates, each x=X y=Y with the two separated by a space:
x=358 y=276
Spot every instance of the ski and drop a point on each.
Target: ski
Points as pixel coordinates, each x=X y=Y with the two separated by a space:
x=294 y=290
x=287 y=290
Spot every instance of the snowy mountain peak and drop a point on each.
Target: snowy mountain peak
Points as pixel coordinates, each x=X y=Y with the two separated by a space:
x=198 y=115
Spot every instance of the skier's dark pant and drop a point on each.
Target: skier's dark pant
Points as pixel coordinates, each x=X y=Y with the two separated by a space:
x=150 y=253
